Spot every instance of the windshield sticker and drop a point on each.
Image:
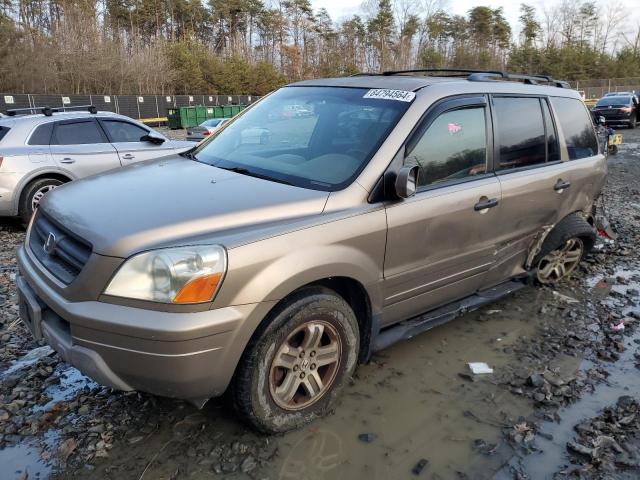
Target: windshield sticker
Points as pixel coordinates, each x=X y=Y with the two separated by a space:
x=454 y=128
x=387 y=94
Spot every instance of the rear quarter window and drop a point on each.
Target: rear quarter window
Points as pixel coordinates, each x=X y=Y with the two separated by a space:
x=575 y=123
x=42 y=134
x=3 y=132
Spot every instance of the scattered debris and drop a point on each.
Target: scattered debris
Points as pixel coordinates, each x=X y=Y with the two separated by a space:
x=479 y=368
x=367 y=437
x=419 y=467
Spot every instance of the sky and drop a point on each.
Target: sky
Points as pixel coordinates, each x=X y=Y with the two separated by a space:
x=344 y=8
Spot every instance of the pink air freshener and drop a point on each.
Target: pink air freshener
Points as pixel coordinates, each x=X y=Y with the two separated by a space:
x=453 y=128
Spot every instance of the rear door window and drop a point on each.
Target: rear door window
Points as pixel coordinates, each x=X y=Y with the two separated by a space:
x=42 y=134
x=77 y=133
x=121 y=132
x=577 y=127
x=454 y=147
x=520 y=132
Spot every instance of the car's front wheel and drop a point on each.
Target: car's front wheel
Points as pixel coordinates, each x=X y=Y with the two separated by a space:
x=294 y=368
x=33 y=194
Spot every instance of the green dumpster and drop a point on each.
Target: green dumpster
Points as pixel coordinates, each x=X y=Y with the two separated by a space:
x=189 y=117
x=228 y=111
x=173 y=117
x=201 y=114
x=218 y=111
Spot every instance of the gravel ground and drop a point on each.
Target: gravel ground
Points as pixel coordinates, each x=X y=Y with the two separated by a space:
x=562 y=403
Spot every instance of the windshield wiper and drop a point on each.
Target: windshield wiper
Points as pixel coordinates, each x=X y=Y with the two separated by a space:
x=190 y=155
x=249 y=173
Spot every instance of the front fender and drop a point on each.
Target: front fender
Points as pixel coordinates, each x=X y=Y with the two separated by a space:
x=271 y=269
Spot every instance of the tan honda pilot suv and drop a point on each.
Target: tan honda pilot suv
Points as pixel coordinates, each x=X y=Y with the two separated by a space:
x=272 y=258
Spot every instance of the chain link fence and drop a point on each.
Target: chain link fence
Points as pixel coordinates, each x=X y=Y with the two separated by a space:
x=596 y=88
x=152 y=108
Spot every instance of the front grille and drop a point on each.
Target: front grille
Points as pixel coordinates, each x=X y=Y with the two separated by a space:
x=62 y=253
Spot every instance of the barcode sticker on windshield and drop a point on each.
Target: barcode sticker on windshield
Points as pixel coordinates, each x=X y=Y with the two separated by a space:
x=387 y=94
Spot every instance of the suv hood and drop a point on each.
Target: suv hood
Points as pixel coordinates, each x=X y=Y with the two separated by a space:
x=173 y=201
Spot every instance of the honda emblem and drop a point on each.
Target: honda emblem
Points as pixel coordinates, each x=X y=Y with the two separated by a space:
x=50 y=245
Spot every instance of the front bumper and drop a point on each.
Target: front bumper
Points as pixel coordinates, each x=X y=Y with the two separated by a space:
x=191 y=356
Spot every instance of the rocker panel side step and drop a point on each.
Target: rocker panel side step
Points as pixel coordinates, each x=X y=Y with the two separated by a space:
x=410 y=328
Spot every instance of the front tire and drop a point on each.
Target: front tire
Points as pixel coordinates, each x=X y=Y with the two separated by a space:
x=295 y=367
x=33 y=194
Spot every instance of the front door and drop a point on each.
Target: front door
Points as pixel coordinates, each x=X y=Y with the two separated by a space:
x=126 y=137
x=440 y=242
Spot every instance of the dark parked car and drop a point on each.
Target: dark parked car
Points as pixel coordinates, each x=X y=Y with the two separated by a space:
x=617 y=110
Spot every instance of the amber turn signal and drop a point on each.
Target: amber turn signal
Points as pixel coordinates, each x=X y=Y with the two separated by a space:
x=198 y=290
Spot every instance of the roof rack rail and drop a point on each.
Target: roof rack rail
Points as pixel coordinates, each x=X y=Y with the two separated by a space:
x=461 y=72
x=528 y=79
x=48 y=111
x=484 y=75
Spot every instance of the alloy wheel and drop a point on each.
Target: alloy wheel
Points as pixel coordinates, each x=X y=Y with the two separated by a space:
x=559 y=263
x=305 y=365
x=37 y=196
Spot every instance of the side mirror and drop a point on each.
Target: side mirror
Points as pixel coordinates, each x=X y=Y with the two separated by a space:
x=407 y=181
x=601 y=120
x=152 y=137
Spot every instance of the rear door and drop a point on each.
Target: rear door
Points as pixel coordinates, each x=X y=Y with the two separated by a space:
x=536 y=183
x=587 y=166
x=441 y=241
x=81 y=147
x=126 y=138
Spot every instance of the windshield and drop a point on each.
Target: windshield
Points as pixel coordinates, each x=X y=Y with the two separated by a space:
x=211 y=123
x=311 y=137
x=606 y=101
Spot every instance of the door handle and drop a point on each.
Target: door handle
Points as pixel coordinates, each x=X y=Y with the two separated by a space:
x=128 y=156
x=561 y=185
x=67 y=160
x=485 y=204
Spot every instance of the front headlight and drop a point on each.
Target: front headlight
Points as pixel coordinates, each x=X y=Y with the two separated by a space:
x=171 y=275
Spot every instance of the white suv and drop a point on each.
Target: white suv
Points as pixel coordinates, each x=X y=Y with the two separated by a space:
x=40 y=152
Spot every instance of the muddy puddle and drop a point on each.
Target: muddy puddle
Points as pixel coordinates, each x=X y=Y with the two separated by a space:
x=623 y=379
x=410 y=403
x=415 y=401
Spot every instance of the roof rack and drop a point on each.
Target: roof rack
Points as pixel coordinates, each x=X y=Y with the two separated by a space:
x=456 y=72
x=485 y=75
x=48 y=111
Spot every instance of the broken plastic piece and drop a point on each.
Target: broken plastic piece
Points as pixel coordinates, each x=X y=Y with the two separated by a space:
x=479 y=368
x=565 y=298
x=619 y=327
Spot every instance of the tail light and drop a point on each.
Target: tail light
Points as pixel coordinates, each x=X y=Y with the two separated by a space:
x=626 y=109
x=206 y=133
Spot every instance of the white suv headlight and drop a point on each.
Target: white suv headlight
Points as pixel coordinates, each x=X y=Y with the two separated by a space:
x=171 y=275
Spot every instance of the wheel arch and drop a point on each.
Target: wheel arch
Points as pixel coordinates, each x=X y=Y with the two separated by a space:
x=34 y=176
x=543 y=234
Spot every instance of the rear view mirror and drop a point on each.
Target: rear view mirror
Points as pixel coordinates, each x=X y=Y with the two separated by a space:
x=407 y=181
x=152 y=137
